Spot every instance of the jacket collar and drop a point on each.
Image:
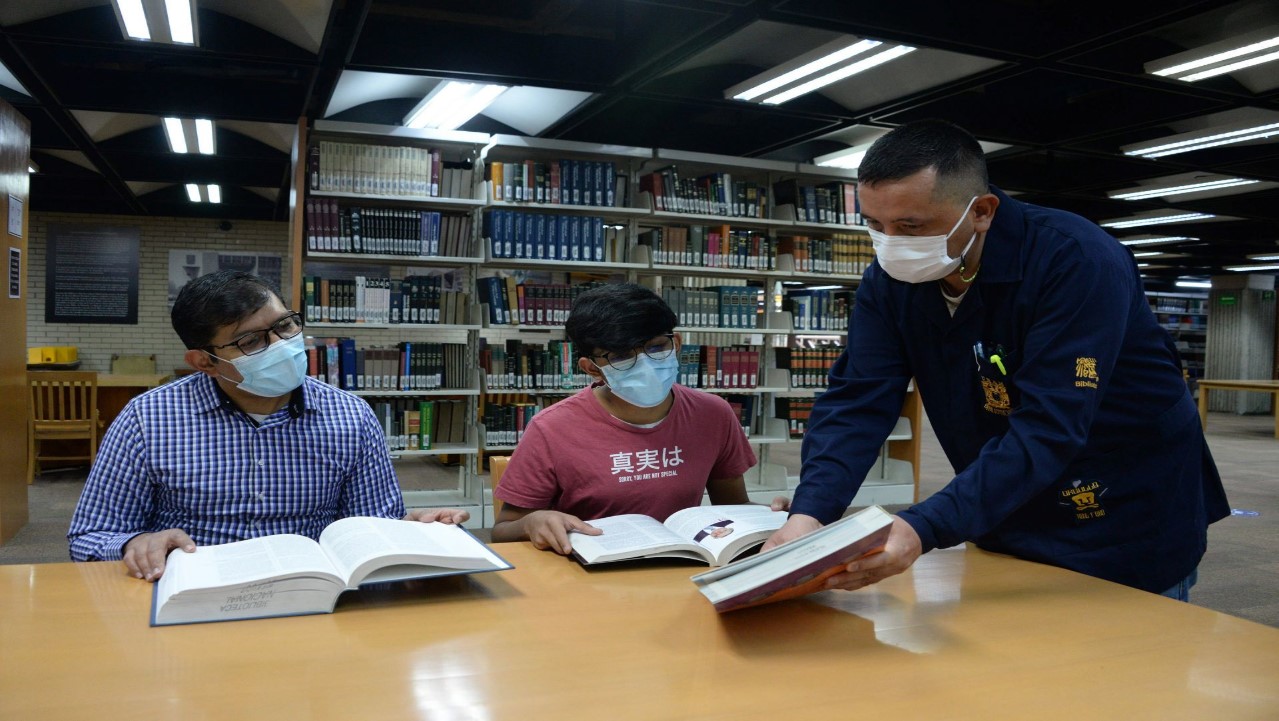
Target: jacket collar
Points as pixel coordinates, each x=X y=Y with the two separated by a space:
x=1000 y=263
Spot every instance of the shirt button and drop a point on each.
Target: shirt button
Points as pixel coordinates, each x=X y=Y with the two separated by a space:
x=261 y=462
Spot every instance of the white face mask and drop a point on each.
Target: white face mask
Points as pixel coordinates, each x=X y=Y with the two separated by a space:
x=919 y=258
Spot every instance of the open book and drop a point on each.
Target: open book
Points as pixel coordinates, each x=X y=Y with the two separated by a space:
x=288 y=575
x=714 y=534
x=797 y=568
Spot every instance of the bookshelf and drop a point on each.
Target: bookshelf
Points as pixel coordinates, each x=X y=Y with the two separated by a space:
x=538 y=224
x=1185 y=317
x=392 y=213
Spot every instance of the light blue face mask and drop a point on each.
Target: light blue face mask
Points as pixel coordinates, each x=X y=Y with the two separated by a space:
x=274 y=372
x=645 y=384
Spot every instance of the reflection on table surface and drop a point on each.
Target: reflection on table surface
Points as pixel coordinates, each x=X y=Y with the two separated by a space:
x=964 y=635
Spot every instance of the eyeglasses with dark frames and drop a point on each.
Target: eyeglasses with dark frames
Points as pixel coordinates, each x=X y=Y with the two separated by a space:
x=658 y=351
x=256 y=341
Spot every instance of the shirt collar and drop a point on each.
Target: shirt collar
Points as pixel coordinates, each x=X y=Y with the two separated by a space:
x=208 y=395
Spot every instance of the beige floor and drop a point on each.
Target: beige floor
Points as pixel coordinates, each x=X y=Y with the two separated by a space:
x=1239 y=575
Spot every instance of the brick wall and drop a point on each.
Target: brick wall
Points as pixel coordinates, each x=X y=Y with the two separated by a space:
x=153 y=332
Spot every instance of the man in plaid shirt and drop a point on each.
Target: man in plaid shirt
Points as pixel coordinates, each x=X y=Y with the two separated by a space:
x=248 y=446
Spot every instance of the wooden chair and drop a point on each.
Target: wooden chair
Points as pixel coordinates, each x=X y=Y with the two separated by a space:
x=133 y=364
x=497 y=466
x=63 y=407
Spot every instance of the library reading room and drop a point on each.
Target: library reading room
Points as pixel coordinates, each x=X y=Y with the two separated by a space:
x=639 y=359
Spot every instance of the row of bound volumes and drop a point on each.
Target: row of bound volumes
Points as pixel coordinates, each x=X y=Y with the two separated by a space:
x=809 y=367
x=819 y=310
x=504 y=424
x=536 y=304
x=845 y=253
x=833 y=202
x=543 y=236
x=408 y=366
x=795 y=412
x=725 y=306
x=557 y=182
x=418 y=300
x=745 y=408
x=710 y=247
x=710 y=194
x=386 y=231
x=339 y=167
x=417 y=425
x=1166 y=304
x=517 y=365
x=708 y=366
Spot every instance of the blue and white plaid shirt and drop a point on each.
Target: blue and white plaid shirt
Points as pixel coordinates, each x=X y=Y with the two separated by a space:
x=183 y=456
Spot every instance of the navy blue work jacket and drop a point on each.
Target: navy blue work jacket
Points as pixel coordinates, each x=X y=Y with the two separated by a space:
x=1078 y=446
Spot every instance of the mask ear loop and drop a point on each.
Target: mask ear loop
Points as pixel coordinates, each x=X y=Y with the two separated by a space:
x=962 y=262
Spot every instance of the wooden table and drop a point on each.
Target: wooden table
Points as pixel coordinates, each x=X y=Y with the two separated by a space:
x=1271 y=387
x=964 y=635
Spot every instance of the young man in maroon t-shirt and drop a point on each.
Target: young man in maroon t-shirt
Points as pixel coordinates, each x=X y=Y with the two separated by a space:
x=633 y=442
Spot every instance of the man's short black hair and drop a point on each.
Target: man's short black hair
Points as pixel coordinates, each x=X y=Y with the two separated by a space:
x=211 y=301
x=616 y=318
x=955 y=154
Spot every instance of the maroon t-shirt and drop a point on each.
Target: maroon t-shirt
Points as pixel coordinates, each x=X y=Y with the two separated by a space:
x=577 y=458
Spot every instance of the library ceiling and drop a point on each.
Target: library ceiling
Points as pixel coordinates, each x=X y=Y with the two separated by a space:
x=1123 y=112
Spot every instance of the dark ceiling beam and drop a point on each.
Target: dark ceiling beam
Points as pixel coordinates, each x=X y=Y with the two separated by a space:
x=346 y=19
x=628 y=82
x=552 y=16
x=13 y=58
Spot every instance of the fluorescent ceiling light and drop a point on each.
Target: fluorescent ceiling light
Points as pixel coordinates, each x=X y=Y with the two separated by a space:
x=181 y=27
x=1193 y=284
x=825 y=287
x=164 y=21
x=1189 y=142
x=816 y=69
x=204 y=136
x=1155 y=239
x=1245 y=268
x=1263 y=257
x=840 y=74
x=199 y=194
x=451 y=104
x=1157 y=192
x=32 y=169
x=1156 y=220
x=1147 y=254
x=134 y=20
x=1219 y=58
x=185 y=133
x=807 y=69
x=177 y=138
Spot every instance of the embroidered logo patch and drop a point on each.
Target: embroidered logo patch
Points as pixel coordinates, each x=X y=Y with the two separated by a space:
x=997 y=399
x=1084 y=498
x=1086 y=373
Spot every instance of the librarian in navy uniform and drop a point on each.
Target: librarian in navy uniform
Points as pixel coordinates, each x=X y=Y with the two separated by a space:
x=248 y=446
x=1057 y=398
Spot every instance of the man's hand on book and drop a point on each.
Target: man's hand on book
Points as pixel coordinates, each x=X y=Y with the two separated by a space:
x=550 y=529
x=797 y=525
x=145 y=553
x=452 y=516
x=780 y=503
x=901 y=550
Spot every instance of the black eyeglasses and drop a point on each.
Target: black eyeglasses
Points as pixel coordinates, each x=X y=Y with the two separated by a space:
x=256 y=341
x=657 y=350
